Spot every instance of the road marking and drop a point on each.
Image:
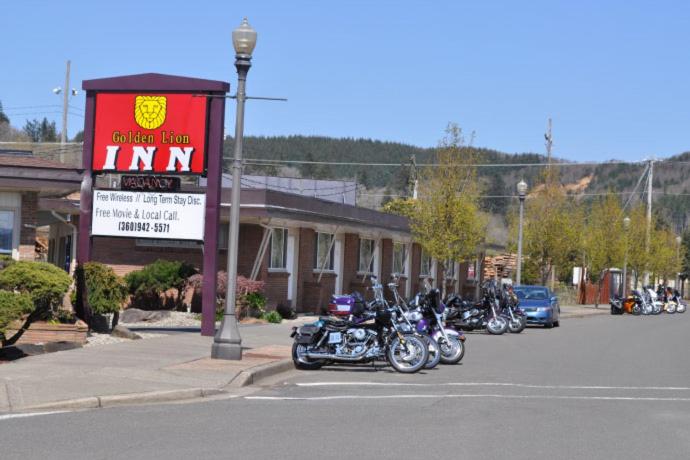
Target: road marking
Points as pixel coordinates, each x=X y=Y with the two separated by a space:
x=29 y=414
x=494 y=384
x=495 y=396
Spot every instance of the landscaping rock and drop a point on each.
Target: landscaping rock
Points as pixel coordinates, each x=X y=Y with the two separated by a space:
x=121 y=331
x=134 y=315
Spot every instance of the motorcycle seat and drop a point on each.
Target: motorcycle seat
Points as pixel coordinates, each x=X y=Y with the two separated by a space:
x=336 y=323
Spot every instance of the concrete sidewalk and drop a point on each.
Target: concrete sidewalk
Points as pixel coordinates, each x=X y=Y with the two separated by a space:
x=582 y=311
x=159 y=369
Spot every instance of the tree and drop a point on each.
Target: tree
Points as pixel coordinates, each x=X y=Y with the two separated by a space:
x=552 y=230
x=685 y=257
x=446 y=221
x=604 y=239
x=41 y=131
x=638 y=258
x=3 y=118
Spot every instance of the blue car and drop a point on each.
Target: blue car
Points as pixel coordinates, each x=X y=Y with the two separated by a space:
x=539 y=304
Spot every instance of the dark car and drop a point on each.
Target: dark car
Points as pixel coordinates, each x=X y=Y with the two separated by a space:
x=539 y=304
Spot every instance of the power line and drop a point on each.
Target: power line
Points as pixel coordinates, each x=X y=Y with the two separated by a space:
x=266 y=162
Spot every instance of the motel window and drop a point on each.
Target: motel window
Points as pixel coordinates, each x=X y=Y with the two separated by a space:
x=278 y=256
x=399 y=258
x=6 y=231
x=366 y=256
x=323 y=251
x=425 y=268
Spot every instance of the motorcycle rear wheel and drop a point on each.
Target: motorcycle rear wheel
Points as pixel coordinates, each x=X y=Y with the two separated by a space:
x=302 y=362
x=410 y=357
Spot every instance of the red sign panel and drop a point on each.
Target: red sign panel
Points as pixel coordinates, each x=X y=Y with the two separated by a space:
x=150 y=133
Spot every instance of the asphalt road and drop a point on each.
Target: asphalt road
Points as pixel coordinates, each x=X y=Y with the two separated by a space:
x=596 y=388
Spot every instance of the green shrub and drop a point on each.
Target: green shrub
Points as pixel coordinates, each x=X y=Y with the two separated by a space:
x=44 y=282
x=12 y=307
x=272 y=317
x=106 y=291
x=147 y=284
x=6 y=261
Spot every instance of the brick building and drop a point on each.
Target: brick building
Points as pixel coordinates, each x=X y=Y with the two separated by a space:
x=303 y=248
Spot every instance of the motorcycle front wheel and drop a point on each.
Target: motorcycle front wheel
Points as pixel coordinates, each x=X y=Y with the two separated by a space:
x=410 y=356
x=452 y=350
x=670 y=307
x=496 y=326
x=517 y=325
x=434 y=353
x=680 y=308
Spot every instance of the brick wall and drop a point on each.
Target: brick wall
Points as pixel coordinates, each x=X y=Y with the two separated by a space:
x=29 y=220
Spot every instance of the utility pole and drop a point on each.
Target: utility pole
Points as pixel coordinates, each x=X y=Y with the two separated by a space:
x=549 y=145
x=412 y=180
x=648 y=237
x=65 y=103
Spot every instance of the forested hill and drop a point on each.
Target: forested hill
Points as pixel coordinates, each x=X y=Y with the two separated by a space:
x=671 y=176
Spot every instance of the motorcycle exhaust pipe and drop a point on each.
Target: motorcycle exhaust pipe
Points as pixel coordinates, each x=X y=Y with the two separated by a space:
x=315 y=355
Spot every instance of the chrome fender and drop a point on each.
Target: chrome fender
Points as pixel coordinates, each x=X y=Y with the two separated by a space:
x=449 y=332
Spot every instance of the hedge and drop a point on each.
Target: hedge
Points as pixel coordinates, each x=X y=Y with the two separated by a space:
x=44 y=282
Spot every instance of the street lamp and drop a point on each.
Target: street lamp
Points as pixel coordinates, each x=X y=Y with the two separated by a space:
x=227 y=343
x=678 y=241
x=522 y=193
x=626 y=226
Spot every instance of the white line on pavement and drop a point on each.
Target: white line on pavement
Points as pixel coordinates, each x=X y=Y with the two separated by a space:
x=29 y=414
x=426 y=396
x=494 y=384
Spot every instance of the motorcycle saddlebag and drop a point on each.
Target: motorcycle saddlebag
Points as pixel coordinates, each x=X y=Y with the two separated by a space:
x=306 y=334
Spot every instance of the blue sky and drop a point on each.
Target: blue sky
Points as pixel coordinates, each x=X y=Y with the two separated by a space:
x=613 y=75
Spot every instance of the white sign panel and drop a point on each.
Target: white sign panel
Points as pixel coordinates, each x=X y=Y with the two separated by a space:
x=177 y=216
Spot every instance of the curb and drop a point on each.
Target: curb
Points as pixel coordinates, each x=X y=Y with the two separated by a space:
x=245 y=378
x=255 y=374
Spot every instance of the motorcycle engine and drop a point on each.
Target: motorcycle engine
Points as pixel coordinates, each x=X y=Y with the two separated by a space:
x=356 y=340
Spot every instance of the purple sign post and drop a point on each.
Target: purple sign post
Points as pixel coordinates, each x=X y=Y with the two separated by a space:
x=150 y=92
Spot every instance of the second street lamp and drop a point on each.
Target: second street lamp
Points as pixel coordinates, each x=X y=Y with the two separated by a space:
x=522 y=193
x=227 y=343
x=626 y=226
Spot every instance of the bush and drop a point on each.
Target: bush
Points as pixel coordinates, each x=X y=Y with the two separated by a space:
x=12 y=307
x=44 y=282
x=249 y=296
x=273 y=317
x=106 y=291
x=6 y=261
x=147 y=284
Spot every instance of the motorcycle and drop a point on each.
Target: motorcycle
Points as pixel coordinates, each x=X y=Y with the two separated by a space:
x=338 y=340
x=449 y=343
x=463 y=315
x=510 y=310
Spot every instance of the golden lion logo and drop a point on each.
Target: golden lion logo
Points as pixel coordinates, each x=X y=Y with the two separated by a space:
x=149 y=111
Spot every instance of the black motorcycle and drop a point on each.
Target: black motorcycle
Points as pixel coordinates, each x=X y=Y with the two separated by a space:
x=463 y=315
x=353 y=341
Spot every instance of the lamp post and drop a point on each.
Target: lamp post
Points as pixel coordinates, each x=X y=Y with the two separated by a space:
x=626 y=226
x=678 y=241
x=227 y=343
x=522 y=192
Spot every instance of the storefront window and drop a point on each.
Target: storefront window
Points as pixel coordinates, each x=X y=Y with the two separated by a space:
x=366 y=256
x=6 y=231
x=323 y=254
